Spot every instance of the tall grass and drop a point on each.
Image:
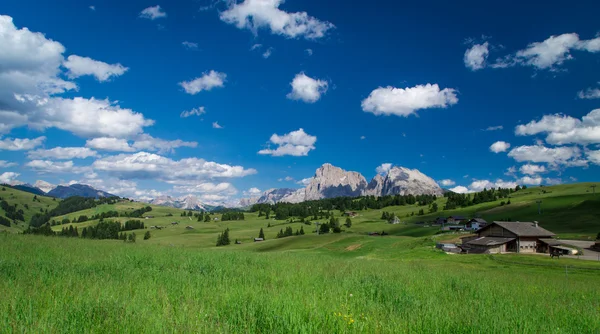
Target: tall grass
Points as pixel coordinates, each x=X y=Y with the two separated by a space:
x=75 y=286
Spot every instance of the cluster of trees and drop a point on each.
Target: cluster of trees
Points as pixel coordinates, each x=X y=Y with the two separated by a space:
x=11 y=211
x=69 y=232
x=103 y=230
x=289 y=232
x=104 y=215
x=223 y=238
x=69 y=205
x=316 y=209
x=4 y=221
x=133 y=224
x=137 y=213
x=464 y=200
x=388 y=216
x=129 y=237
x=45 y=229
x=232 y=216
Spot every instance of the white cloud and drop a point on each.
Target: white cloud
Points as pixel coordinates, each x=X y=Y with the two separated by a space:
x=568 y=156
x=552 y=181
x=62 y=153
x=531 y=169
x=256 y=14
x=305 y=181
x=563 y=129
x=494 y=128
x=80 y=66
x=255 y=46
x=190 y=45
x=406 y=101
x=7 y=164
x=590 y=93
x=363 y=137
x=296 y=143
x=196 y=111
x=476 y=56
x=144 y=165
x=479 y=185
x=153 y=13
x=145 y=142
x=48 y=166
x=20 y=144
x=216 y=125
x=267 y=53
x=594 y=157
x=309 y=52
x=528 y=180
x=447 y=182
x=460 y=190
x=550 y=53
x=306 y=88
x=9 y=178
x=92 y=7
x=499 y=146
x=223 y=188
x=206 y=82
x=252 y=192
x=384 y=168
x=109 y=144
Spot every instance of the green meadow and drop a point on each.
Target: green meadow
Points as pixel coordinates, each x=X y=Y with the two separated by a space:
x=349 y=282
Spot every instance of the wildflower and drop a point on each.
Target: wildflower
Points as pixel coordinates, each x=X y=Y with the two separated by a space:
x=350 y=295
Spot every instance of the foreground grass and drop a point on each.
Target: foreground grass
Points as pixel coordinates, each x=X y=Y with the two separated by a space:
x=72 y=285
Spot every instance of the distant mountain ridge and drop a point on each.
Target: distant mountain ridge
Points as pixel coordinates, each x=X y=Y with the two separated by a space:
x=330 y=181
x=82 y=190
x=30 y=189
x=189 y=202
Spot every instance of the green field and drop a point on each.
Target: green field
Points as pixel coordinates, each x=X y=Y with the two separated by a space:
x=178 y=281
x=14 y=196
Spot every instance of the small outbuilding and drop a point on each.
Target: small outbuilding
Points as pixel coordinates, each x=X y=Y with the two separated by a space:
x=258 y=239
x=189 y=227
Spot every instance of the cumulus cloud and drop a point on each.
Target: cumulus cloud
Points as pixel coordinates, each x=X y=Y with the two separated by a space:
x=563 y=129
x=62 y=153
x=296 y=143
x=153 y=13
x=20 y=144
x=567 y=156
x=256 y=14
x=79 y=66
x=550 y=53
x=460 y=190
x=590 y=93
x=306 y=88
x=51 y=167
x=190 y=45
x=109 y=144
x=216 y=125
x=223 y=188
x=206 y=82
x=531 y=169
x=145 y=142
x=309 y=52
x=499 y=146
x=267 y=53
x=593 y=156
x=9 y=178
x=252 y=192
x=475 y=57
x=383 y=169
x=406 y=101
x=144 y=165
x=7 y=164
x=530 y=180
x=196 y=111
x=447 y=182
x=305 y=181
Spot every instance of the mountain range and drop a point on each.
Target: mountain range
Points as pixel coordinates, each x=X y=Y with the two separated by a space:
x=330 y=181
x=47 y=189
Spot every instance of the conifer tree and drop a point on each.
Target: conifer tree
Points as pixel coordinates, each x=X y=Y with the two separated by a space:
x=261 y=234
x=301 y=230
x=147 y=235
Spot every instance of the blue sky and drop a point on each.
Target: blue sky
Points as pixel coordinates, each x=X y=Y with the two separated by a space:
x=96 y=93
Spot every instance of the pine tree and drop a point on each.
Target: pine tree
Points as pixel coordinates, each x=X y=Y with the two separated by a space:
x=147 y=235
x=261 y=234
x=226 y=237
x=302 y=230
x=348 y=222
x=207 y=218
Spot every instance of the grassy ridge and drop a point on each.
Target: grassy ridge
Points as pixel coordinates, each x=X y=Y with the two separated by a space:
x=53 y=284
x=14 y=196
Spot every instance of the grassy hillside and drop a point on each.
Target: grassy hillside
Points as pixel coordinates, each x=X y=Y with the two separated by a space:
x=22 y=198
x=336 y=288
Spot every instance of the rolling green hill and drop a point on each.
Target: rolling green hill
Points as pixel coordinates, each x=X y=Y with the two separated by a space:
x=24 y=201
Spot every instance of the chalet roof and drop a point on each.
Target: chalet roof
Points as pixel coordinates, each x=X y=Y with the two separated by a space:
x=551 y=242
x=524 y=229
x=489 y=241
x=478 y=220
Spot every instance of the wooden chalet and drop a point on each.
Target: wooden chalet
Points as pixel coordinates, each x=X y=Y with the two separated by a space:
x=517 y=237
